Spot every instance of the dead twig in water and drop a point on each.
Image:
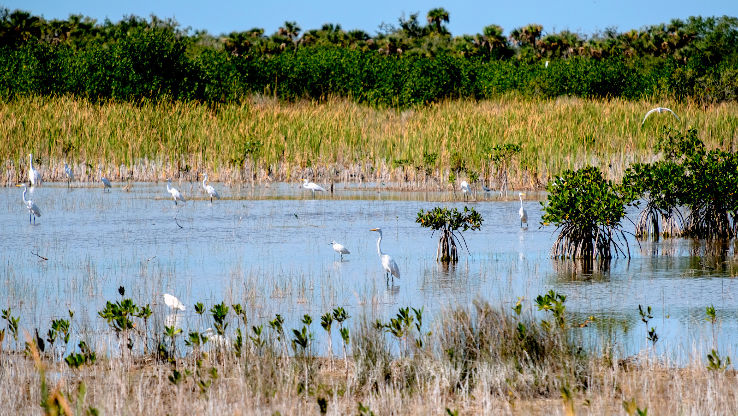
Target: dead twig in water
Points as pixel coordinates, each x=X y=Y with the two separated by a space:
x=41 y=257
x=177 y=222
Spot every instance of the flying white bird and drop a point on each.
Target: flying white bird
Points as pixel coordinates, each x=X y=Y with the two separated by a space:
x=209 y=189
x=658 y=110
x=465 y=188
x=34 y=176
x=70 y=174
x=312 y=186
x=339 y=248
x=523 y=214
x=172 y=302
x=388 y=263
x=33 y=210
x=176 y=195
x=106 y=183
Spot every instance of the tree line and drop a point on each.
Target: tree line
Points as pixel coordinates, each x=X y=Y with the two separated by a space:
x=408 y=63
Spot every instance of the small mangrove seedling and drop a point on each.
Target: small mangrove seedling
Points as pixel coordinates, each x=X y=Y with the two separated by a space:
x=85 y=356
x=219 y=313
x=340 y=315
x=646 y=315
x=451 y=223
x=277 y=327
x=171 y=332
x=326 y=321
x=715 y=362
x=256 y=339
x=553 y=302
x=712 y=317
x=12 y=323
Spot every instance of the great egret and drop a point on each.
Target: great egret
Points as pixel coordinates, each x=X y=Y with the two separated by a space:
x=176 y=195
x=312 y=186
x=172 y=302
x=70 y=174
x=658 y=110
x=34 y=176
x=388 y=263
x=465 y=188
x=521 y=212
x=106 y=183
x=209 y=189
x=33 y=210
x=339 y=248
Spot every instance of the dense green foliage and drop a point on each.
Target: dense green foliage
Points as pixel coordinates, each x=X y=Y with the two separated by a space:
x=450 y=222
x=588 y=210
x=703 y=182
x=403 y=65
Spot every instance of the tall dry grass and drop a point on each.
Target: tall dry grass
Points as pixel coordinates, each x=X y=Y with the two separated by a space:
x=263 y=139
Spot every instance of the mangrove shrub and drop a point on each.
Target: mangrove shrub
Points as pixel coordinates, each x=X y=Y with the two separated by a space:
x=588 y=210
x=450 y=222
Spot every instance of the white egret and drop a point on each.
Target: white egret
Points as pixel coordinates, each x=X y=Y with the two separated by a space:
x=106 y=183
x=523 y=214
x=219 y=341
x=388 y=263
x=339 y=248
x=658 y=110
x=34 y=176
x=465 y=188
x=312 y=186
x=70 y=174
x=176 y=195
x=33 y=210
x=209 y=189
x=172 y=302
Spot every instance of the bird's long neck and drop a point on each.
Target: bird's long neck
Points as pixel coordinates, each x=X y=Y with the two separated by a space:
x=205 y=179
x=379 y=245
x=24 y=195
x=521 y=202
x=30 y=161
x=169 y=188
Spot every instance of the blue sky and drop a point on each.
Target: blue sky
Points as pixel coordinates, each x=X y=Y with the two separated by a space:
x=467 y=16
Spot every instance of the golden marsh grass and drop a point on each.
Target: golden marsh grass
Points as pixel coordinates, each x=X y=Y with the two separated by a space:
x=262 y=139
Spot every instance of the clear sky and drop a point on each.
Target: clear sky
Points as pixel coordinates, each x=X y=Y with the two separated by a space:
x=467 y=16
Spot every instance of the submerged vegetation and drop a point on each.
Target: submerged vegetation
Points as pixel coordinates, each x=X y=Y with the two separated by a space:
x=472 y=359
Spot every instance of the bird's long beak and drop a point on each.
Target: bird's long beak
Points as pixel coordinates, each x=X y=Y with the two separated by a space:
x=20 y=185
x=373 y=229
x=523 y=194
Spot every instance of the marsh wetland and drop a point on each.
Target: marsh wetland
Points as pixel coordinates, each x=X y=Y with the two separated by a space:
x=266 y=248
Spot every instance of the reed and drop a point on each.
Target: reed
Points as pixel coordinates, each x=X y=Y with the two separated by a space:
x=263 y=139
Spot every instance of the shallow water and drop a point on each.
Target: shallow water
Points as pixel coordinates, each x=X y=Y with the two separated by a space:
x=268 y=248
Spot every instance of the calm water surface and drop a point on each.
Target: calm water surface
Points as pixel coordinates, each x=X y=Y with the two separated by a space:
x=268 y=248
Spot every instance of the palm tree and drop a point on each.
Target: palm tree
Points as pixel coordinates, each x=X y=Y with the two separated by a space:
x=436 y=17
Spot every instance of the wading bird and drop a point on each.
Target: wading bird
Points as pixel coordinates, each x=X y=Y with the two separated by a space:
x=523 y=214
x=312 y=186
x=339 y=248
x=106 y=183
x=465 y=188
x=34 y=176
x=209 y=189
x=33 y=210
x=176 y=195
x=70 y=174
x=172 y=302
x=658 y=110
x=388 y=263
